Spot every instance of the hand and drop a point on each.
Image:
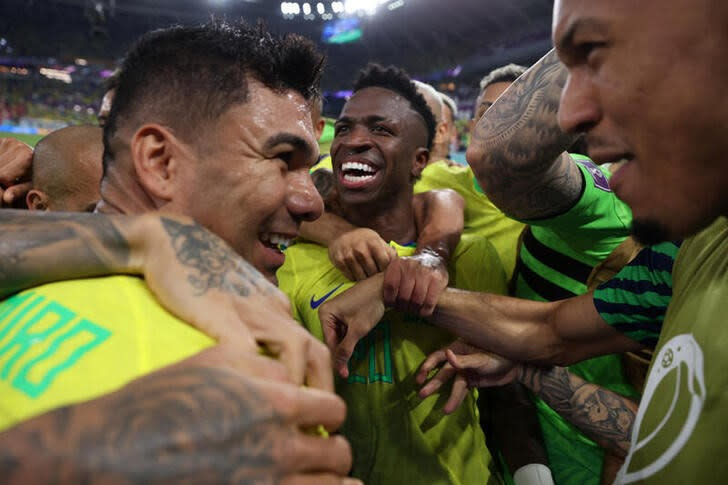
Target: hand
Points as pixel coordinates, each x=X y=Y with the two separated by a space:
x=15 y=172
x=469 y=366
x=360 y=253
x=414 y=284
x=201 y=280
x=193 y=422
x=349 y=317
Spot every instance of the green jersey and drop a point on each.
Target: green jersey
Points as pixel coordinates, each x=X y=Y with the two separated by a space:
x=679 y=434
x=555 y=259
x=396 y=437
x=482 y=217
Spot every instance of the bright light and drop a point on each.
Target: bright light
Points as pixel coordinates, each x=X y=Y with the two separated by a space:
x=337 y=7
x=320 y=8
x=306 y=9
x=290 y=8
x=395 y=5
x=56 y=74
x=81 y=62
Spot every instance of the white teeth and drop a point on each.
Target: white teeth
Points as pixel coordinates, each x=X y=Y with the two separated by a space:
x=357 y=178
x=276 y=239
x=357 y=166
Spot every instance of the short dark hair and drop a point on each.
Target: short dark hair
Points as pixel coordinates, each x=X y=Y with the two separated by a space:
x=504 y=74
x=397 y=80
x=183 y=76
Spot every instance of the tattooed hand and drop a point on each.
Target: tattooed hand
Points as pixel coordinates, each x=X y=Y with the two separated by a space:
x=199 y=278
x=192 y=272
x=190 y=423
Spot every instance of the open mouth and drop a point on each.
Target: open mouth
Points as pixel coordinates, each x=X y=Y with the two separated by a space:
x=357 y=174
x=275 y=241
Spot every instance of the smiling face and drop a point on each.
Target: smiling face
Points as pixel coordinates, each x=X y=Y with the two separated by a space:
x=379 y=147
x=646 y=83
x=250 y=183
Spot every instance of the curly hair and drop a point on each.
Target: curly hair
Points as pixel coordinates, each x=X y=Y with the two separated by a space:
x=397 y=80
x=185 y=76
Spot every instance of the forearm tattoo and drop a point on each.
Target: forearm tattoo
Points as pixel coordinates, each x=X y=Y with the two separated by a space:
x=601 y=414
x=212 y=264
x=520 y=141
x=187 y=425
x=39 y=248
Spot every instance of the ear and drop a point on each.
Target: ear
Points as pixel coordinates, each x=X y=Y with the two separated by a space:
x=422 y=158
x=442 y=132
x=156 y=154
x=36 y=200
x=319 y=128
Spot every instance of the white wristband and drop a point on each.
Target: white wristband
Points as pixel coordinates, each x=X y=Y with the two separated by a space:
x=533 y=474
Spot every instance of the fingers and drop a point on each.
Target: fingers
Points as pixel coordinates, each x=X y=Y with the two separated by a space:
x=247 y=363
x=16 y=192
x=366 y=262
x=309 y=407
x=343 y=352
x=392 y=280
x=318 y=370
x=430 y=300
x=432 y=361
x=354 y=269
x=458 y=393
x=310 y=453
x=383 y=255
x=443 y=376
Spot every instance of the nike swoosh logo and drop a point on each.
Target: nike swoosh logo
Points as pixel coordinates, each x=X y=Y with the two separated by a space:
x=317 y=303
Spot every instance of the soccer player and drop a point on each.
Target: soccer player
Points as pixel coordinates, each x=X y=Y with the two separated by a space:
x=380 y=147
x=61 y=349
x=675 y=181
x=67 y=170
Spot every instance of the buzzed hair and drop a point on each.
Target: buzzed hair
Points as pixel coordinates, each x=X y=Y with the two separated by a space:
x=450 y=103
x=505 y=74
x=57 y=157
x=186 y=77
x=397 y=80
x=432 y=97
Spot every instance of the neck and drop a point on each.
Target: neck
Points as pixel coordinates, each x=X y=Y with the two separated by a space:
x=393 y=220
x=439 y=153
x=121 y=193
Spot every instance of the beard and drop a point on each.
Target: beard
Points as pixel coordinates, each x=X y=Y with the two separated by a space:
x=649 y=231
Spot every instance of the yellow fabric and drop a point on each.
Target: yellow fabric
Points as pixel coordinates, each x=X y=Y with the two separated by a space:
x=73 y=341
x=397 y=437
x=481 y=216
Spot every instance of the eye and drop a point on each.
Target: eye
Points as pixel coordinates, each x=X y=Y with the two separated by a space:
x=339 y=129
x=381 y=129
x=286 y=156
x=587 y=50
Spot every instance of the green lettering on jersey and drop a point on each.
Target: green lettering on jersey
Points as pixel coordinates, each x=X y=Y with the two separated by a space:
x=38 y=341
x=366 y=351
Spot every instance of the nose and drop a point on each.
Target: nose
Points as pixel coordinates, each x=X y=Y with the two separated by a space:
x=579 y=109
x=357 y=140
x=302 y=199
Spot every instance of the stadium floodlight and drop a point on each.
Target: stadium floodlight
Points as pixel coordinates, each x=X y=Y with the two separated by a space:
x=320 y=8
x=306 y=9
x=337 y=7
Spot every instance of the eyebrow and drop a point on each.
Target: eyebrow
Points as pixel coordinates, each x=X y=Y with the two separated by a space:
x=567 y=40
x=368 y=119
x=290 y=139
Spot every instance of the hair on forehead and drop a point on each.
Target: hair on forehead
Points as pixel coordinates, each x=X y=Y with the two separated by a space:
x=450 y=103
x=398 y=81
x=187 y=77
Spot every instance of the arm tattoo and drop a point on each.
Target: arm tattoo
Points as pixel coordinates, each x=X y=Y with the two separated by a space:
x=184 y=425
x=40 y=248
x=212 y=264
x=519 y=146
x=603 y=415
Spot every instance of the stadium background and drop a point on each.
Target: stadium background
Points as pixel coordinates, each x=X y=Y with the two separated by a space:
x=56 y=54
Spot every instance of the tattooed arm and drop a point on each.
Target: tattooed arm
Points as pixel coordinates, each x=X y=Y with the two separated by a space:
x=190 y=270
x=194 y=422
x=601 y=414
x=517 y=151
